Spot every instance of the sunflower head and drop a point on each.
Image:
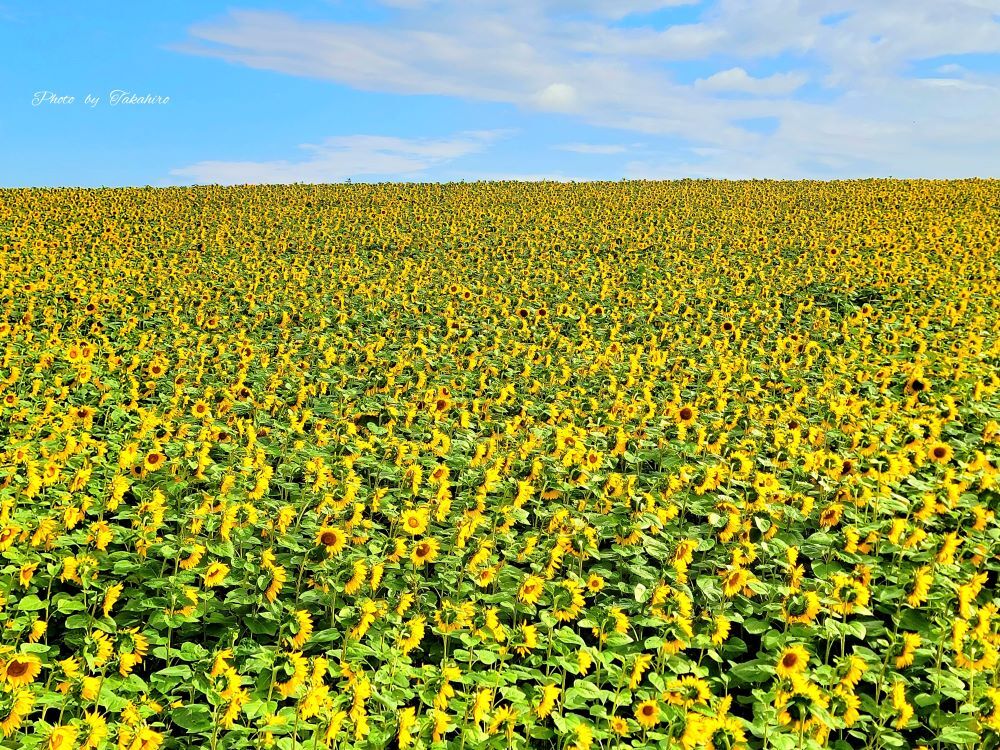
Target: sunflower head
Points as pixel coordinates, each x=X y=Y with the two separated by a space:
x=20 y=670
x=792 y=661
x=647 y=714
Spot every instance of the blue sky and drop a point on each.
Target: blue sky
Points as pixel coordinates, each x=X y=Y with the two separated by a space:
x=326 y=90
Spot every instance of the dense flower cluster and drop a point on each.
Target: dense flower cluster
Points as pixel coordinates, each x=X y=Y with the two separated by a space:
x=686 y=465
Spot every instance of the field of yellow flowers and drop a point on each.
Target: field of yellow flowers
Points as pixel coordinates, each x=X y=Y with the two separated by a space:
x=572 y=466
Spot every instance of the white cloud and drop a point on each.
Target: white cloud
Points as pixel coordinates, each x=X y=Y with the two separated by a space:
x=954 y=83
x=557 y=97
x=406 y=4
x=511 y=176
x=343 y=157
x=592 y=148
x=570 y=57
x=737 y=79
x=611 y=9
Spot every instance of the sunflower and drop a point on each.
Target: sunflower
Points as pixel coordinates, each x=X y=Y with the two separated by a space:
x=201 y=410
x=215 y=574
x=20 y=670
x=801 y=608
x=407 y=721
x=567 y=600
x=647 y=714
x=26 y=573
x=38 y=628
x=132 y=649
x=441 y=404
x=686 y=415
x=618 y=725
x=792 y=661
x=923 y=579
x=973 y=649
x=547 y=700
x=940 y=453
x=294 y=667
x=831 y=515
x=531 y=590
x=904 y=711
x=848 y=594
x=90 y=688
x=279 y=576
x=8 y=535
x=524 y=638
x=592 y=460
x=15 y=705
x=100 y=647
x=415 y=628
x=687 y=692
x=154 y=460
x=799 y=708
x=414 y=521
x=193 y=557
x=485 y=576
x=721 y=631
x=845 y=705
x=332 y=538
x=304 y=629
x=734 y=580
x=450 y=617
x=990 y=714
x=424 y=551
x=917 y=384
x=850 y=671
x=910 y=644
x=725 y=732
x=62 y=737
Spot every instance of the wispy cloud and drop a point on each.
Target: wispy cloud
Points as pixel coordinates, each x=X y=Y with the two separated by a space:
x=611 y=9
x=592 y=148
x=573 y=58
x=738 y=80
x=344 y=157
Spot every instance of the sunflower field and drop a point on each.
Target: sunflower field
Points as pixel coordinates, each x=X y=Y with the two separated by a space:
x=695 y=465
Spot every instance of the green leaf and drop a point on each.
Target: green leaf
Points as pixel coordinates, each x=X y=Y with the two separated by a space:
x=754 y=671
x=68 y=604
x=195 y=718
x=954 y=735
x=168 y=678
x=581 y=695
x=30 y=603
x=192 y=651
x=77 y=622
x=110 y=699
